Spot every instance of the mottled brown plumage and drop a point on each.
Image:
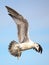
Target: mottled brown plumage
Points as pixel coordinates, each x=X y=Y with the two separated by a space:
x=24 y=42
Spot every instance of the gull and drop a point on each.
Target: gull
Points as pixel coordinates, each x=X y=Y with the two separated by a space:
x=24 y=42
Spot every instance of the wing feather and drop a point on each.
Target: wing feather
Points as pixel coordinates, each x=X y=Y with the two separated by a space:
x=22 y=24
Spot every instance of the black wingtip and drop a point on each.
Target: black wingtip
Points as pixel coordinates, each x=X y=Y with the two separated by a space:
x=6 y=6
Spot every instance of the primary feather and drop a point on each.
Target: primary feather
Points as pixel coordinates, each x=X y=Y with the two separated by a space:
x=22 y=24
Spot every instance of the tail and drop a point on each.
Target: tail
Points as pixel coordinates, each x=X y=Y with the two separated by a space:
x=14 y=49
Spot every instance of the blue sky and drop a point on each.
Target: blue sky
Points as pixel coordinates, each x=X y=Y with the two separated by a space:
x=37 y=14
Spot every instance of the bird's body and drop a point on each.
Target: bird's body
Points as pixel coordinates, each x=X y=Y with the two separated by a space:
x=24 y=43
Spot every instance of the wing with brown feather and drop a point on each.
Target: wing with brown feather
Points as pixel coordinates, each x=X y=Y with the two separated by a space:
x=22 y=24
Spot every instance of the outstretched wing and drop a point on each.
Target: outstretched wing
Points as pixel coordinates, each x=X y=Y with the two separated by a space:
x=22 y=24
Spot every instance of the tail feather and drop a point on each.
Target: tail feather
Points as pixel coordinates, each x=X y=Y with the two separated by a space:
x=11 y=44
x=14 y=50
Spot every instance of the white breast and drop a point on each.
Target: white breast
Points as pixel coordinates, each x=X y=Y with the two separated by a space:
x=26 y=45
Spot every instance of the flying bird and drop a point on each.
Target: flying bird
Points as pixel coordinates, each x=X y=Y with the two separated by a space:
x=24 y=43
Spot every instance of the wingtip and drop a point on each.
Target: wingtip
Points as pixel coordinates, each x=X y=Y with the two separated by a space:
x=6 y=6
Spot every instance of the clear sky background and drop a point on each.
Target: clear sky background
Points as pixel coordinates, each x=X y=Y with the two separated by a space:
x=37 y=14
